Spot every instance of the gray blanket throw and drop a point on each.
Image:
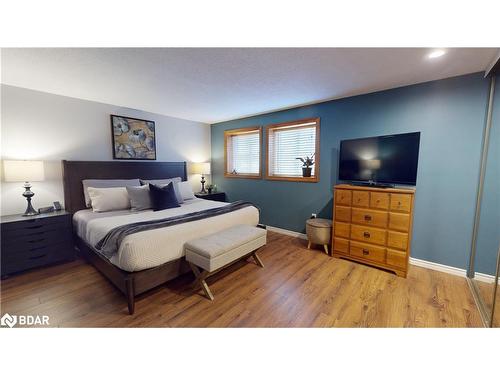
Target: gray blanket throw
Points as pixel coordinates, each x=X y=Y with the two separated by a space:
x=110 y=244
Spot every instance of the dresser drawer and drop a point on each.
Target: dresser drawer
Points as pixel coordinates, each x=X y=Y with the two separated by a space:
x=343 y=197
x=370 y=252
x=400 y=202
x=399 y=222
x=396 y=258
x=360 y=198
x=342 y=213
x=342 y=229
x=35 y=224
x=397 y=240
x=9 y=233
x=341 y=245
x=56 y=254
x=35 y=240
x=379 y=200
x=40 y=243
x=368 y=234
x=369 y=217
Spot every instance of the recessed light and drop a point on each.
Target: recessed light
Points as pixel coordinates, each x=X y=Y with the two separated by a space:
x=437 y=53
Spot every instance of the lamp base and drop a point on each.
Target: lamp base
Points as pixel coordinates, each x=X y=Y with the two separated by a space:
x=203 y=191
x=28 y=194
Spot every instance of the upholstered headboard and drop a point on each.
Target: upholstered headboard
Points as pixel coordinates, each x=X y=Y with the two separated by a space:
x=76 y=171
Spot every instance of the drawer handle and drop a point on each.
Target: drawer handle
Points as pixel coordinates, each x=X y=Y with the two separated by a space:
x=399 y=203
x=38 y=248
x=37 y=240
x=366 y=234
x=365 y=252
x=34 y=227
x=368 y=217
x=38 y=257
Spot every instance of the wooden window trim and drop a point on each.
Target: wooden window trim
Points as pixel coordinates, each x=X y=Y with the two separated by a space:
x=270 y=128
x=229 y=133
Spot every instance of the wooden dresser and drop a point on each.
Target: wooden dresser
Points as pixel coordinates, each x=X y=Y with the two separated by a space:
x=373 y=226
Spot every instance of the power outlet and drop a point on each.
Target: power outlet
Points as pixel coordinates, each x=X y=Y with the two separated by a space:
x=313 y=216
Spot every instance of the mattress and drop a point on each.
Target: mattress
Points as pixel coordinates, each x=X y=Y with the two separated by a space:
x=152 y=248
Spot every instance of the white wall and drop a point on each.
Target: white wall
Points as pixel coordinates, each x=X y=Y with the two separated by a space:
x=41 y=126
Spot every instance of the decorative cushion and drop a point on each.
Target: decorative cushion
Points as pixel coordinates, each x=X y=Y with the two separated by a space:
x=165 y=182
x=108 y=199
x=106 y=184
x=186 y=190
x=140 y=197
x=163 y=197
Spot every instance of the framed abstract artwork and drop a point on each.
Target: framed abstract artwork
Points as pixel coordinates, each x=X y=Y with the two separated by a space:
x=133 y=138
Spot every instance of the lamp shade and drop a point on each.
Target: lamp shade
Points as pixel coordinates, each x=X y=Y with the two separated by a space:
x=200 y=168
x=23 y=170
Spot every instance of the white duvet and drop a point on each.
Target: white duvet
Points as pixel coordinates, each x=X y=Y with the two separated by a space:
x=152 y=248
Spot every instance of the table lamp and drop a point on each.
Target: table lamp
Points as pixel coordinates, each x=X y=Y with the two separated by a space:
x=24 y=170
x=203 y=169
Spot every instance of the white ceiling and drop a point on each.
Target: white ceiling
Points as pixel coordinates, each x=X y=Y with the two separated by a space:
x=214 y=84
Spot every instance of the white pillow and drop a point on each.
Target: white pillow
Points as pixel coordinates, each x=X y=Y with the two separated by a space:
x=108 y=199
x=186 y=190
x=106 y=184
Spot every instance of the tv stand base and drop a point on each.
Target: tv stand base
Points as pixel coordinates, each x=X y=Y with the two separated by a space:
x=373 y=184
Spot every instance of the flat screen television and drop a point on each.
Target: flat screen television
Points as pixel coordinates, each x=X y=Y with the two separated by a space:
x=384 y=160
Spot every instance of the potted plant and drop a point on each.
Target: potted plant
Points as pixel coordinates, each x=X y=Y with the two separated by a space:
x=307 y=162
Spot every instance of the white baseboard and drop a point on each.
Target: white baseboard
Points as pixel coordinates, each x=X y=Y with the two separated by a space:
x=414 y=261
x=485 y=278
x=286 y=232
x=438 y=267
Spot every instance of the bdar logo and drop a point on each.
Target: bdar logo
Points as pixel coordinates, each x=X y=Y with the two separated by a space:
x=8 y=320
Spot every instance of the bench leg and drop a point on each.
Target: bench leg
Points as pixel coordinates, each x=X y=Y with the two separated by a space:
x=257 y=259
x=200 y=279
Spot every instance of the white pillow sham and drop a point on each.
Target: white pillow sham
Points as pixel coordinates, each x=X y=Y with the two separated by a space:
x=109 y=199
x=186 y=190
x=106 y=184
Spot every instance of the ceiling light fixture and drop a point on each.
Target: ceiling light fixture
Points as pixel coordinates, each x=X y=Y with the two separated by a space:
x=437 y=53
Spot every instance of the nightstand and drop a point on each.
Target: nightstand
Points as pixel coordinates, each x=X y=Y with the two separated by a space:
x=35 y=241
x=219 y=196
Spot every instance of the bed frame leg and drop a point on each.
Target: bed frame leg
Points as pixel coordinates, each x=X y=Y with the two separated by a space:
x=129 y=285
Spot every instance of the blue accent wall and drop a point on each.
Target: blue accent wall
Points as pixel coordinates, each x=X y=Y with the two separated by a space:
x=450 y=115
x=488 y=236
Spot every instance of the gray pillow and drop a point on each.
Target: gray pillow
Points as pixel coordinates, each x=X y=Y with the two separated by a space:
x=139 y=196
x=106 y=184
x=175 y=181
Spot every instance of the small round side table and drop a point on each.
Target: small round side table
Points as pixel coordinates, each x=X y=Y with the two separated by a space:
x=319 y=232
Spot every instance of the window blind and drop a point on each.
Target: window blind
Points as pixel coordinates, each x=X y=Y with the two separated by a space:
x=244 y=153
x=288 y=143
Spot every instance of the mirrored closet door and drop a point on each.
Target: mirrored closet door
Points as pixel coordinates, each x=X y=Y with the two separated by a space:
x=483 y=267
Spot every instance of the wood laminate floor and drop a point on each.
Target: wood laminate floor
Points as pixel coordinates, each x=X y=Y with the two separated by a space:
x=297 y=288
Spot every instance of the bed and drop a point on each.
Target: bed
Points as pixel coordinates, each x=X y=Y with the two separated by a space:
x=150 y=258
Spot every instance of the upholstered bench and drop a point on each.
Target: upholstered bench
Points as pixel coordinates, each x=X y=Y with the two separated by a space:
x=219 y=250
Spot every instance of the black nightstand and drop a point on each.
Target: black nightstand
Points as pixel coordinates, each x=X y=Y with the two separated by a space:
x=218 y=196
x=35 y=241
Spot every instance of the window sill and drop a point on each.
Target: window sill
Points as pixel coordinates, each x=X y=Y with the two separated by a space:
x=293 y=178
x=251 y=176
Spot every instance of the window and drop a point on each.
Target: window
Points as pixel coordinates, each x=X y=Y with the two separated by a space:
x=242 y=152
x=288 y=141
